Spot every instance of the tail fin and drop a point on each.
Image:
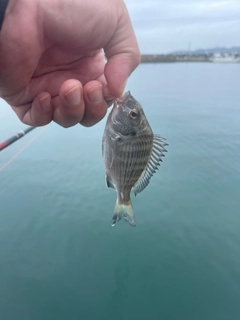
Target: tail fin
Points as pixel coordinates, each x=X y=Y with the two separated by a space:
x=124 y=211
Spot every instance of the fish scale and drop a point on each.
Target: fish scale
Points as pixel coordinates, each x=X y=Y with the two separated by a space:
x=134 y=156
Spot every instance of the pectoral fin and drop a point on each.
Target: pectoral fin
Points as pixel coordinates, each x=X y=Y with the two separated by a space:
x=109 y=184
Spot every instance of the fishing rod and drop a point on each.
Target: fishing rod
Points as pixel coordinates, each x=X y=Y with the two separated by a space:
x=14 y=138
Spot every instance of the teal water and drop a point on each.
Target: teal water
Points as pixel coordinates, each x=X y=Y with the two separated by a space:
x=59 y=256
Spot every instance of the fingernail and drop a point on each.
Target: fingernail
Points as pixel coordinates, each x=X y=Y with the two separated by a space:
x=73 y=96
x=95 y=95
x=45 y=103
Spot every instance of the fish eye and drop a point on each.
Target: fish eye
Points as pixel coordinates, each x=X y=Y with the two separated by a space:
x=133 y=113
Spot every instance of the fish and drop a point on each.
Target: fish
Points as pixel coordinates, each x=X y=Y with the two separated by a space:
x=131 y=154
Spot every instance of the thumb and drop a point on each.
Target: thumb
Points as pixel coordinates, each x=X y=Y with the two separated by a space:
x=123 y=56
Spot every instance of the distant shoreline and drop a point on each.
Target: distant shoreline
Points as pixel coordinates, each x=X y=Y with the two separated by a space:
x=173 y=58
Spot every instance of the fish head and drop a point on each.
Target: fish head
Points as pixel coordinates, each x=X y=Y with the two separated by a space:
x=128 y=117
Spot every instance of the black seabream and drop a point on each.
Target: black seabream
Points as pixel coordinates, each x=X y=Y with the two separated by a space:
x=131 y=153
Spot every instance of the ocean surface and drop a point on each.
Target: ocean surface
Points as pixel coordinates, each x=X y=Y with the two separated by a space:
x=59 y=256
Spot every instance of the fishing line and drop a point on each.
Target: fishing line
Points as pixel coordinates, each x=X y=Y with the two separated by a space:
x=21 y=150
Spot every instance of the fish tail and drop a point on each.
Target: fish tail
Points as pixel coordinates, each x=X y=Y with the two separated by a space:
x=125 y=211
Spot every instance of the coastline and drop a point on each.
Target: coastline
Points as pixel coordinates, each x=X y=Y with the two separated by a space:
x=173 y=58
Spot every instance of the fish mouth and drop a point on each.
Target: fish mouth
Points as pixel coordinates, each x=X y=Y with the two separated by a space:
x=123 y=101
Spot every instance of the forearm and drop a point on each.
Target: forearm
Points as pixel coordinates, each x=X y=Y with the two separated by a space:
x=3 y=6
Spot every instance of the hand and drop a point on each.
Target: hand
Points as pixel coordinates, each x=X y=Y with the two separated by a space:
x=52 y=66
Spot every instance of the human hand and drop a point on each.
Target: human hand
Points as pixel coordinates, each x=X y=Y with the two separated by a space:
x=52 y=66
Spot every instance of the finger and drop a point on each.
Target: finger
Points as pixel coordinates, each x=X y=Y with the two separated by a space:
x=107 y=98
x=69 y=108
x=37 y=113
x=123 y=56
x=95 y=105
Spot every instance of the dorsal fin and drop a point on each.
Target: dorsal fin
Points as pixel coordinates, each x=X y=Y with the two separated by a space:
x=152 y=165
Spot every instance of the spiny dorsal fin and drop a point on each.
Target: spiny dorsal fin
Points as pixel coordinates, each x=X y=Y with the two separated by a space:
x=153 y=163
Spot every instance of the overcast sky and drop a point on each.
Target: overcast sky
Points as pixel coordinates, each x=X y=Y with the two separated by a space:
x=169 y=25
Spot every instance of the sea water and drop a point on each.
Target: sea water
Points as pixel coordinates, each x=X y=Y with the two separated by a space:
x=59 y=256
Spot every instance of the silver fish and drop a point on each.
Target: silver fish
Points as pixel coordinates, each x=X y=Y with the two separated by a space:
x=131 y=153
